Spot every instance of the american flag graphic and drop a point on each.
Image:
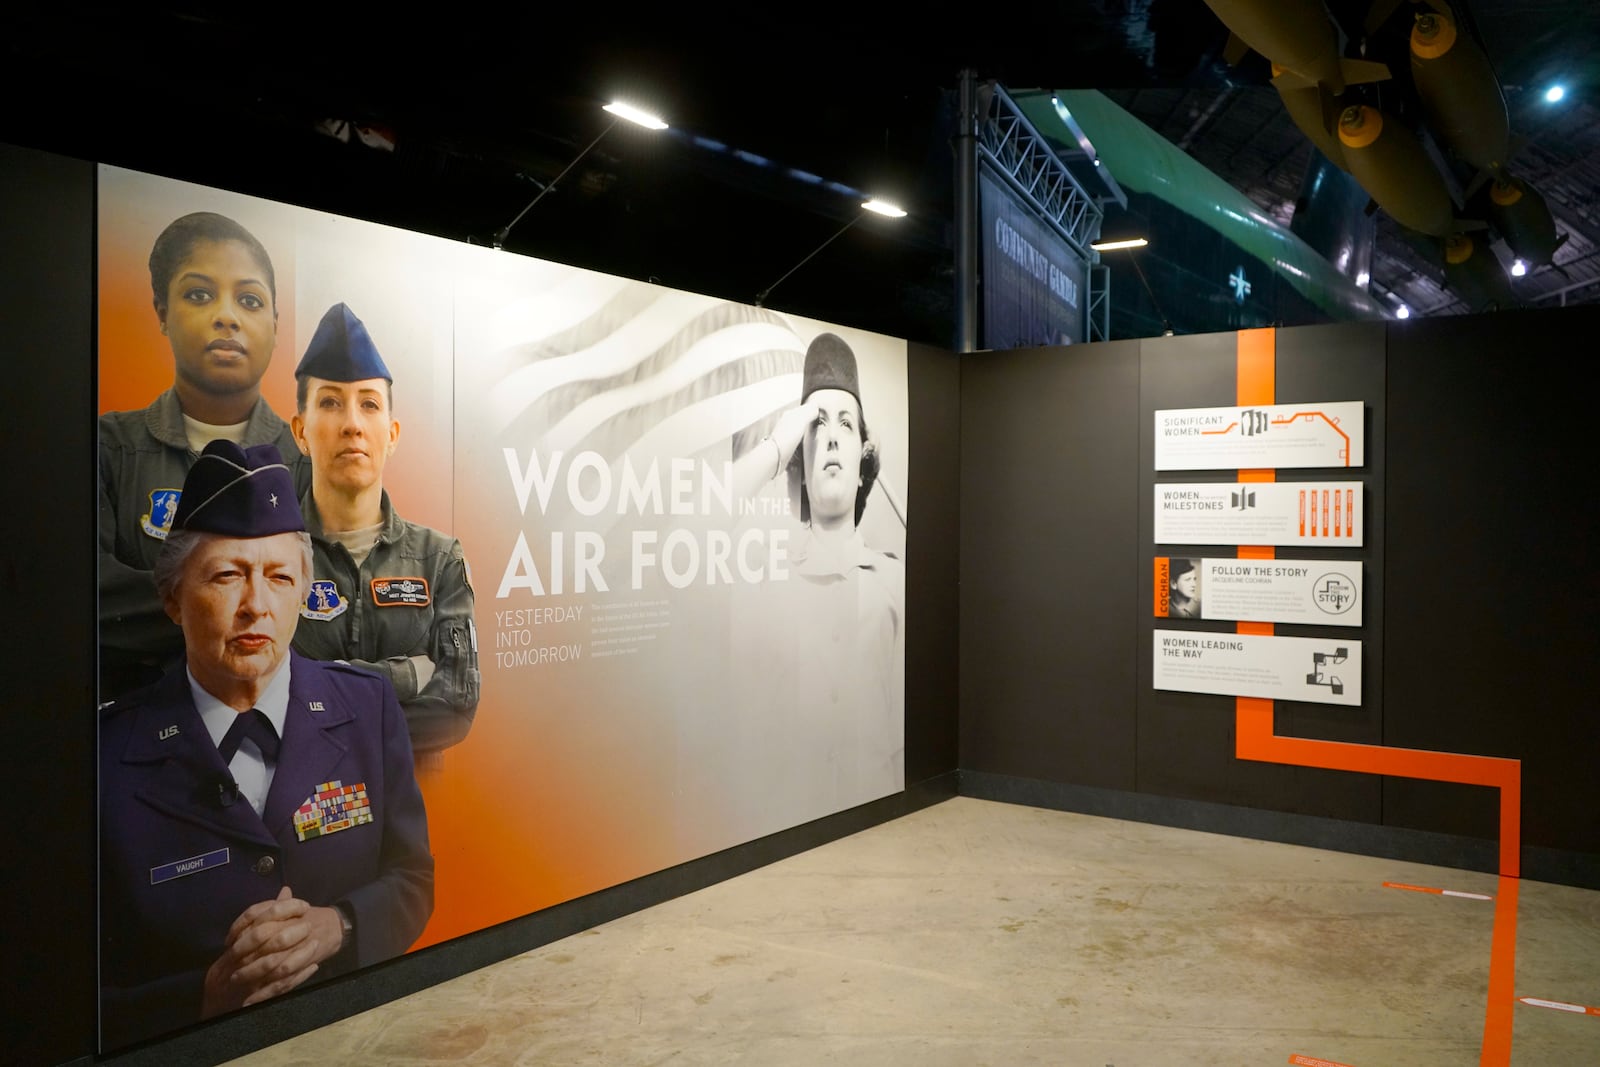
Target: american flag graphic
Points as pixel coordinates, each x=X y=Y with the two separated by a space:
x=632 y=372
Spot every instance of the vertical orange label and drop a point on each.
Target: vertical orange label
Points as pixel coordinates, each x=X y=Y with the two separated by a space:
x=1337 y=510
x=1324 y=513
x=1163 y=571
x=1349 y=512
x=1302 y=513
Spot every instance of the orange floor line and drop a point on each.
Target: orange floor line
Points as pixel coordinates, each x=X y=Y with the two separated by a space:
x=1255 y=739
x=1497 y=1016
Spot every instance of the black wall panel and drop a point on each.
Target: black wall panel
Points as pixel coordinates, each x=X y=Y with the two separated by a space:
x=1334 y=363
x=48 y=656
x=1492 y=592
x=1048 y=519
x=933 y=560
x=1186 y=740
x=1481 y=617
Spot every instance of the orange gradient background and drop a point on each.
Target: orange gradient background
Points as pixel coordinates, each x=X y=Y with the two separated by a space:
x=571 y=780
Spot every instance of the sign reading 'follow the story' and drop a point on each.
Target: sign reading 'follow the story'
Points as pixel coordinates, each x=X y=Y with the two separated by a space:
x=1259 y=590
x=1268 y=436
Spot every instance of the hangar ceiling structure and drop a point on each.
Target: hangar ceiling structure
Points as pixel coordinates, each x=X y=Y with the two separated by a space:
x=450 y=125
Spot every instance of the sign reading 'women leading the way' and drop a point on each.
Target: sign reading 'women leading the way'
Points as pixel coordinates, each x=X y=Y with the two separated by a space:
x=1318 y=670
x=1270 y=436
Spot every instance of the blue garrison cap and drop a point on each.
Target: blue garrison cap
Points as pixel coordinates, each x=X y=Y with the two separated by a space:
x=830 y=364
x=239 y=492
x=342 y=350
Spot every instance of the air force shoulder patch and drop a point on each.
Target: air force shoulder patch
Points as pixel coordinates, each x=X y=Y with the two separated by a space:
x=157 y=522
x=324 y=602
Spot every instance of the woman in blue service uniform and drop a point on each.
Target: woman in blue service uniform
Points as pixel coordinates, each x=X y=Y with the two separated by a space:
x=260 y=819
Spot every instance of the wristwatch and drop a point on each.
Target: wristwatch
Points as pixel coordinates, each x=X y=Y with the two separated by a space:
x=347 y=928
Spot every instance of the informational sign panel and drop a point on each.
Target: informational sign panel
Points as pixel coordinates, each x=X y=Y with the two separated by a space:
x=1033 y=281
x=1259 y=513
x=1269 y=436
x=1326 y=592
x=1314 y=669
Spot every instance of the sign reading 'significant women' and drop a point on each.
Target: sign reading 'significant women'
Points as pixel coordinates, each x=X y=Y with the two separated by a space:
x=1267 y=436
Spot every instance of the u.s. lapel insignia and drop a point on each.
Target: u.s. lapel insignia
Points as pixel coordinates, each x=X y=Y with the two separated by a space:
x=324 y=602
x=333 y=807
x=167 y=733
x=163 y=509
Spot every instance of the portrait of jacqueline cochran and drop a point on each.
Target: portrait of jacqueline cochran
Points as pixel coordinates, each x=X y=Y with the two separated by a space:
x=260 y=820
x=1183 y=589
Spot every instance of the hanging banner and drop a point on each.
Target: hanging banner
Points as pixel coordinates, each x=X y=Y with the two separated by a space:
x=1033 y=282
x=604 y=577
x=1258 y=513
x=1316 y=670
x=1270 y=436
x=1326 y=592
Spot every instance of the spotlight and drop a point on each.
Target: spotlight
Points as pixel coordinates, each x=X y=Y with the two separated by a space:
x=885 y=208
x=1402 y=312
x=1518 y=268
x=635 y=115
x=1554 y=94
x=1112 y=246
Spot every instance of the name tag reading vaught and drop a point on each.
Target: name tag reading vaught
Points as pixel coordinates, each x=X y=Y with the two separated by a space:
x=400 y=592
x=178 y=869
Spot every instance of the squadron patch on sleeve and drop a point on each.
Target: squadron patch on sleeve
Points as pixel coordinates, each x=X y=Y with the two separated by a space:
x=324 y=601
x=163 y=509
x=401 y=592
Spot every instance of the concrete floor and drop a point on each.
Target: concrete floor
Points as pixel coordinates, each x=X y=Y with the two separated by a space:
x=981 y=933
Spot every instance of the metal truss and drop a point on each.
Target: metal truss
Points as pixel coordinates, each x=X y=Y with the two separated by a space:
x=1099 y=312
x=1020 y=154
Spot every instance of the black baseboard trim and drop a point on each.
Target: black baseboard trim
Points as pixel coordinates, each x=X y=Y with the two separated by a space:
x=279 y=1020
x=1337 y=835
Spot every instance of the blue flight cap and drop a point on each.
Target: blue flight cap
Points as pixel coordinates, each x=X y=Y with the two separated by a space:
x=342 y=350
x=239 y=492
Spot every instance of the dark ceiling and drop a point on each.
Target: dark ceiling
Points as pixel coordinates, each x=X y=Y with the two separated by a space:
x=480 y=110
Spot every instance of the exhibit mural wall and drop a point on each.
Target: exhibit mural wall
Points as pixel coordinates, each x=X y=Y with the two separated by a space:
x=636 y=602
